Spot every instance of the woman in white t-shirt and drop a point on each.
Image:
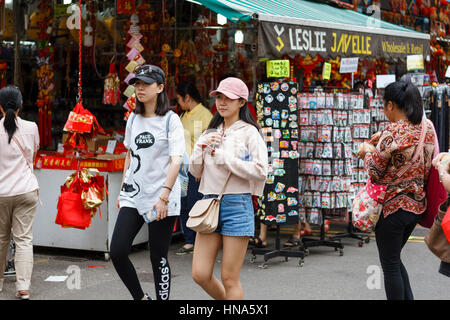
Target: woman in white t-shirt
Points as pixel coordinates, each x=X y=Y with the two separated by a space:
x=19 y=143
x=150 y=190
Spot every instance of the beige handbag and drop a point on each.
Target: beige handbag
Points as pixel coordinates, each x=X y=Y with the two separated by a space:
x=204 y=215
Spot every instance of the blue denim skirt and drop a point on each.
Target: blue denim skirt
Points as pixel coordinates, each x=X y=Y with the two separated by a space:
x=236 y=216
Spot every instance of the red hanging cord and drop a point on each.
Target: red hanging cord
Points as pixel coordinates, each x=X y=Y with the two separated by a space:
x=79 y=56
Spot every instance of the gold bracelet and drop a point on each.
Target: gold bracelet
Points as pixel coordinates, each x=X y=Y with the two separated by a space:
x=166 y=201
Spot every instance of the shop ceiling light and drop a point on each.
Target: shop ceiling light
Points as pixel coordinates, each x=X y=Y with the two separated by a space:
x=67 y=1
x=239 y=36
x=221 y=20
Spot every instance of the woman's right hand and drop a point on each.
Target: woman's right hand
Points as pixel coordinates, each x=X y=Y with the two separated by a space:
x=214 y=139
x=118 y=203
x=441 y=163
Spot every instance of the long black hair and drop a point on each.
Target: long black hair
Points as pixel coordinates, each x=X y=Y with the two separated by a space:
x=244 y=115
x=162 y=103
x=408 y=99
x=11 y=101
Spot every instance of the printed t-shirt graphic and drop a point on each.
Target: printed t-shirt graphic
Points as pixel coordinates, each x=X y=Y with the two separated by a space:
x=150 y=149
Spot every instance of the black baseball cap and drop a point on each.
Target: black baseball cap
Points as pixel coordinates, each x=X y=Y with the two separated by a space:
x=149 y=74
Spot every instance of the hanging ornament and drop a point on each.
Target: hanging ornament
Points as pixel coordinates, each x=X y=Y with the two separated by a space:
x=44 y=73
x=111 y=92
x=126 y=7
x=88 y=38
x=134 y=54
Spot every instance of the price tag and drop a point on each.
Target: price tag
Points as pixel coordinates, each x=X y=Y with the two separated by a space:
x=414 y=62
x=111 y=146
x=278 y=68
x=383 y=80
x=326 y=72
x=349 y=65
x=60 y=10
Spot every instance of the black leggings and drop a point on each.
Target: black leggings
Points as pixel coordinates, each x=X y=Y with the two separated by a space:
x=128 y=224
x=392 y=234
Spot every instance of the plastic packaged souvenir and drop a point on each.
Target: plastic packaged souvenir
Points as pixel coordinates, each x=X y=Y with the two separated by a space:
x=292 y=117
x=304 y=117
x=292 y=100
x=327 y=152
x=321 y=102
x=325 y=201
x=316 y=200
x=284 y=114
x=294 y=134
x=312 y=101
x=267 y=111
x=309 y=150
x=277 y=133
x=302 y=101
x=291 y=190
x=284 y=144
x=275 y=114
x=279 y=172
x=279 y=187
x=284 y=87
x=317 y=167
x=293 y=154
x=281 y=208
x=293 y=213
x=268 y=98
x=281 y=218
x=281 y=197
x=284 y=123
x=313 y=114
x=318 y=150
x=271 y=196
x=286 y=134
x=276 y=123
x=281 y=97
x=326 y=167
x=314 y=216
x=284 y=154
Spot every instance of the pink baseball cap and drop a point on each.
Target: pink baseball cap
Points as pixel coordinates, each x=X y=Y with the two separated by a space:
x=233 y=88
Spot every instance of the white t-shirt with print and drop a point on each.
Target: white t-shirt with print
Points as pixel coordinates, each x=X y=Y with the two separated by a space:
x=150 y=150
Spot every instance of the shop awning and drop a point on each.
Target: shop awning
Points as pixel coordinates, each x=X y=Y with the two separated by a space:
x=291 y=27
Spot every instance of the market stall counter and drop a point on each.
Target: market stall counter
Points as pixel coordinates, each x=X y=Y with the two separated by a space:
x=51 y=170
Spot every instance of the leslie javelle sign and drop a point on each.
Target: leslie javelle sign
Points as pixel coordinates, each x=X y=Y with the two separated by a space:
x=277 y=39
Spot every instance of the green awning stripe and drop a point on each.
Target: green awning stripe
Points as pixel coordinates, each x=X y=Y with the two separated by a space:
x=243 y=10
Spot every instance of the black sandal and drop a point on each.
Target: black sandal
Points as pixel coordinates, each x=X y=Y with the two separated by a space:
x=257 y=242
x=292 y=242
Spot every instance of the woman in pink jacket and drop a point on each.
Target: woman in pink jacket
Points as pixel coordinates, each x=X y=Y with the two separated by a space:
x=233 y=144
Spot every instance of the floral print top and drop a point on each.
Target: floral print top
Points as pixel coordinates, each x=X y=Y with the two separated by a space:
x=395 y=149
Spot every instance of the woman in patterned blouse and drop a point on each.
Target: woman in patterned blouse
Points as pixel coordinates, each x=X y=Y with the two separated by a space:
x=388 y=152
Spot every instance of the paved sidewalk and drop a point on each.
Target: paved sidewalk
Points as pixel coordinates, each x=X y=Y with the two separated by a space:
x=325 y=274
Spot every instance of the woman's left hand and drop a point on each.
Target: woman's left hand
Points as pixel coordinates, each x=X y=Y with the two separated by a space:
x=162 y=209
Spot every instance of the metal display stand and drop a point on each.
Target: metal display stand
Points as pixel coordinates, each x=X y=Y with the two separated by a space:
x=351 y=234
x=322 y=241
x=278 y=252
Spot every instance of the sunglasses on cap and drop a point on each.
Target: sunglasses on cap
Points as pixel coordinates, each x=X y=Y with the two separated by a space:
x=148 y=69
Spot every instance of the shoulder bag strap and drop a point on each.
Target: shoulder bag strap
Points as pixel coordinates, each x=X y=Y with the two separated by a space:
x=168 y=123
x=224 y=186
x=23 y=153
